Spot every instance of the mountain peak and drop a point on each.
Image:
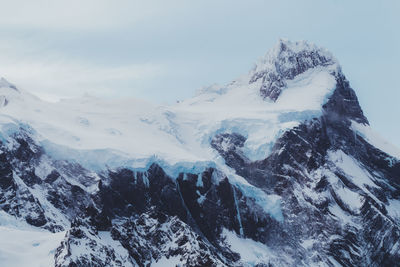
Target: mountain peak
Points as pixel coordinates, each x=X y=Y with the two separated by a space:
x=284 y=62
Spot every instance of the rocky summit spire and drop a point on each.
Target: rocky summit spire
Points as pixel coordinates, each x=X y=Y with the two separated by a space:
x=222 y=179
x=285 y=61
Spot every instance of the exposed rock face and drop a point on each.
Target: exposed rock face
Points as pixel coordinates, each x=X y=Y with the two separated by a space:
x=337 y=193
x=286 y=61
x=303 y=171
x=343 y=104
x=149 y=215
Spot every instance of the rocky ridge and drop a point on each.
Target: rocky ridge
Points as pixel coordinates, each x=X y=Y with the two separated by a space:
x=337 y=192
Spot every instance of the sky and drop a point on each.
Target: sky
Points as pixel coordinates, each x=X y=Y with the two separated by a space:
x=165 y=50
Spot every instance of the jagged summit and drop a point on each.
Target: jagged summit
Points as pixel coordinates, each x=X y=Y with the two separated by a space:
x=309 y=76
x=222 y=179
x=285 y=61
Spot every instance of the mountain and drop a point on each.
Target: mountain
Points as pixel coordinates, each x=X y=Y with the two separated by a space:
x=277 y=168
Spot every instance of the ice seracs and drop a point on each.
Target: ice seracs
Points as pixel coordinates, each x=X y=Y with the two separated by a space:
x=182 y=132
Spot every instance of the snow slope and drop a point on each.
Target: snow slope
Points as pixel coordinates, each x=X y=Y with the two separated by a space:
x=314 y=178
x=24 y=245
x=134 y=129
x=105 y=133
x=375 y=139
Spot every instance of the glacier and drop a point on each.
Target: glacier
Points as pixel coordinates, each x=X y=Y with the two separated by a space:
x=277 y=168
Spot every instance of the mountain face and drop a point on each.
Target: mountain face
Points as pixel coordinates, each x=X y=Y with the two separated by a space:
x=284 y=63
x=278 y=168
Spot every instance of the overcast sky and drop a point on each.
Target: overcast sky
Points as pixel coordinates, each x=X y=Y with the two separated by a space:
x=165 y=50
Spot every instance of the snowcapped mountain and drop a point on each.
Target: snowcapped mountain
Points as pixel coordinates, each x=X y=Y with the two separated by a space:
x=278 y=168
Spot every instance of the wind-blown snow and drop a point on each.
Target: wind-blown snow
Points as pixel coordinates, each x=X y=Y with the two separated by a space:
x=366 y=132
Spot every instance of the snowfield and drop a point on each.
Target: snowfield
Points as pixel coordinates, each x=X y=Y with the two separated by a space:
x=132 y=132
x=24 y=245
x=222 y=132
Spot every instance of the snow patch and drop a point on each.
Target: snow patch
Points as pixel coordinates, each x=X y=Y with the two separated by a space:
x=164 y=261
x=372 y=137
x=394 y=208
x=251 y=252
x=33 y=248
x=199 y=182
x=349 y=166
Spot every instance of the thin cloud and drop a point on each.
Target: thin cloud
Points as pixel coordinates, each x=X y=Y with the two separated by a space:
x=55 y=80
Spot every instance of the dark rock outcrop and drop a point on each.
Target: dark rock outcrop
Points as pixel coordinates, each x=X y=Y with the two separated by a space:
x=286 y=61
